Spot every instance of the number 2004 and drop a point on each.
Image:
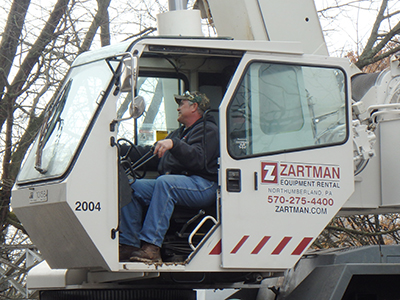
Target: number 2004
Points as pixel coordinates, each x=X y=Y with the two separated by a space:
x=87 y=206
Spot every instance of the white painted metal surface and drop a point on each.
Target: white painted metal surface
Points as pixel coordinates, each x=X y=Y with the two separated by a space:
x=184 y=22
x=285 y=20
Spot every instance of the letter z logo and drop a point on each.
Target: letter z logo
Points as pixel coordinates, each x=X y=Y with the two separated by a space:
x=269 y=172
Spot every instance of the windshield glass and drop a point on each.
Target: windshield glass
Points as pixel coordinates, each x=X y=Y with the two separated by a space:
x=66 y=122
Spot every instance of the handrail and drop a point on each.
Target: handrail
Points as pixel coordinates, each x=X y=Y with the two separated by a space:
x=197 y=228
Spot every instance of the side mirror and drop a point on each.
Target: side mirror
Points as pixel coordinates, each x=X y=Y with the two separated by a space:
x=137 y=107
x=129 y=74
x=128 y=84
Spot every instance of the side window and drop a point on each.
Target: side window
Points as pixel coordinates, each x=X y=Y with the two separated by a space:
x=279 y=107
x=280 y=101
x=160 y=114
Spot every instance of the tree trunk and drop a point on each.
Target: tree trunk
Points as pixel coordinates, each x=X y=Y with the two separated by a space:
x=101 y=19
x=8 y=47
x=47 y=34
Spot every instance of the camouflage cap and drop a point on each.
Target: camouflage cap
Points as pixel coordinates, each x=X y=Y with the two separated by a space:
x=194 y=97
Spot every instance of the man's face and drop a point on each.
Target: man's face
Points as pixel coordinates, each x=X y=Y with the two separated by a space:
x=185 y=111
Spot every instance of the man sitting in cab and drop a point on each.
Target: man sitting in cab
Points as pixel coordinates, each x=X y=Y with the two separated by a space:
x=187 y=162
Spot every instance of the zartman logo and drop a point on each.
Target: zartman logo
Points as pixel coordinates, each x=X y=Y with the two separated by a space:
x=269 y=172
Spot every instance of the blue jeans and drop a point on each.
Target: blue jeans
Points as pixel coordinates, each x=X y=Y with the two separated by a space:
x=161 y=195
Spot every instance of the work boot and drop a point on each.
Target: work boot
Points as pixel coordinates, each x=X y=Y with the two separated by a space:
x=149 y=253
x=125 y=252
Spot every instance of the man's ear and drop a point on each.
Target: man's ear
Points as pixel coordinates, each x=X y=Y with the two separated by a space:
x=195 y=107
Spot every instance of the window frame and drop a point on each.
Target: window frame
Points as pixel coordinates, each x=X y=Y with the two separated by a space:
x=296 y=149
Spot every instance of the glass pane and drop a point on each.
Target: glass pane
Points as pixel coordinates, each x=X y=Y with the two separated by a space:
x=73 y=110
x=281 y=107
x=160 y=115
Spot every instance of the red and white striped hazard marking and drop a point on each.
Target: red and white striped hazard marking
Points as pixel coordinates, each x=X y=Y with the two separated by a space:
x=260 y=245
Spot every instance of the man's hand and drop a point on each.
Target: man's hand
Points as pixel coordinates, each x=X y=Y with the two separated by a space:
x=163 y=146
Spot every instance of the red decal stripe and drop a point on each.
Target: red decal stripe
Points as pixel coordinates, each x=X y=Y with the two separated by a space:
x=240 y=244
x=260 y=245
x=303 y=244
x=281 y=245
x=216 y=250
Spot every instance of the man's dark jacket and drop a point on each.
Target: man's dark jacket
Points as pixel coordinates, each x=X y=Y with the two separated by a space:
x=193 y=153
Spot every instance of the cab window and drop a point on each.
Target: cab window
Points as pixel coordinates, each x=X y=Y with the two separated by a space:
x=160 y=116
x=280 y=108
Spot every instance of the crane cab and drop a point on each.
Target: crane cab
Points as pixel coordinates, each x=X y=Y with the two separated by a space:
x=285 y=153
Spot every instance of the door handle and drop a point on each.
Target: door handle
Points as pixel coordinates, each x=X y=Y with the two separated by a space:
x=233 y=180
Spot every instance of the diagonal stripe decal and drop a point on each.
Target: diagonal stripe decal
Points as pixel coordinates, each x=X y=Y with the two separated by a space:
x=281 y=245
x=240 y=244
x=260 y=245
x=303 y=244
x=216 y=250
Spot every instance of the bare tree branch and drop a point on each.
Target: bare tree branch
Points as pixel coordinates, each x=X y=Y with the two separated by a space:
x=374 y=32
x=9 y=44
x=7 y=103
x=100 y=20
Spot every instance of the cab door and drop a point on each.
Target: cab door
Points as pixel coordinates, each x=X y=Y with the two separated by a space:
x=286 y=157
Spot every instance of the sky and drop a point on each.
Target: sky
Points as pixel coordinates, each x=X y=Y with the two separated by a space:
x=348 y=28
x=345 y=29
